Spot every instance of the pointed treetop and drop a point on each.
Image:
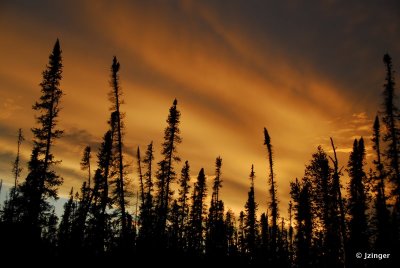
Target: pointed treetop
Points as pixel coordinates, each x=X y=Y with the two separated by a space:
x=175 y=102
x=115 y=65
x=55 y=57
x=376 y=123
x=57 y=45
x=361 y=143
x=355 y=144
x=387 y=59
x=267 y=139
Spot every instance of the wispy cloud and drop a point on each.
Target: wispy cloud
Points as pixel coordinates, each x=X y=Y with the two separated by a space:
x=306 y=72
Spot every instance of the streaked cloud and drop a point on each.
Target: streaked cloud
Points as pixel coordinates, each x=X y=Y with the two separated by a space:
x=306 y=72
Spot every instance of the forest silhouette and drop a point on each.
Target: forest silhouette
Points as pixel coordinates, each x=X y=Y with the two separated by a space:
x=329 y=223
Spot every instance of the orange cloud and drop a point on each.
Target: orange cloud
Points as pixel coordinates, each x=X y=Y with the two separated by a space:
x=230 y=81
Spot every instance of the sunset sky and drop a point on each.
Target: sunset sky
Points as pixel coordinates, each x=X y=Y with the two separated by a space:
x=304 y=71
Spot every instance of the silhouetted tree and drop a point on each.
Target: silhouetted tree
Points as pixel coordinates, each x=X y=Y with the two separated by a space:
x=65 y=228
x=98 y=227
x=147 y=161
x=325 y=204
x=183 y=199
x=263 y=254
x=216 y=185
x=357 y=203
x=231 y=233
x=85 y=162
x=216 y=241
x=17 y=169
x=290 y=232
x=96 y=222
x=42 y=182
x=197 y=215
x=302 y=198
x=139 y=168
x=173 y=228
x=119 y=192
x=84 y=201
x=250 y=220
x=147 y=215
x=283 y=251
x=389 y=118
x=381 y=213
x=273 y=204
x=391 y=137
x=241 y=238
x=11 y=203
x=337 y=196
x=166 y=173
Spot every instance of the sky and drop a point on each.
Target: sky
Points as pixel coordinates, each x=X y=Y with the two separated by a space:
x=305 y=71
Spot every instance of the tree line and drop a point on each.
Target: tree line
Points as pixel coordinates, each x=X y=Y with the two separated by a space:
x=328 y=223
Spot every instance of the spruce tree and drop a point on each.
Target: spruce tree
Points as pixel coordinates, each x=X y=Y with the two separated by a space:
x=148 y=162
x=273 y=204
x=119 y=181
x=389 y=118
x=197 y=215
x=42 y=181
x=250 y=220
x=216 y=244
x=241 y=237
x=217 y=183
x=84 y=202
x=166 y=174
x=357 y=205
x=147 y=216
x=65 y=228
x=183 y=202
x=97 y=223
x=173 y=227
x=381 y=212
x=301 y=194
x=230 y=227
x=17 y=169
x=85 y=162
x=325 y=204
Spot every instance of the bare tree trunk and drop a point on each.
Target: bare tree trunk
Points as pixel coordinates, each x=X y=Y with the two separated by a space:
x=336 y=184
